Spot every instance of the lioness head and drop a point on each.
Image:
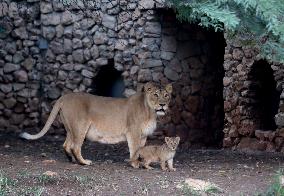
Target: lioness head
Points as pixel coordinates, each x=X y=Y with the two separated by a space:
x=158 y=98
x=172 y=142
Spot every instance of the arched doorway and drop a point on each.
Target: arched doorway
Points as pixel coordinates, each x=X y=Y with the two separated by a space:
x=108 y=82
x=264 y=98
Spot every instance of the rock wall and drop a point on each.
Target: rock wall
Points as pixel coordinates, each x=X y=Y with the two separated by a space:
x=192 y=59
x=146 y=47
x=61 y=48
x=20 y=61
x=49 y=49
x=245 y=126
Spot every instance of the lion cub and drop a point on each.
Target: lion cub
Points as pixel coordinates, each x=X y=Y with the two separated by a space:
x=164 y=153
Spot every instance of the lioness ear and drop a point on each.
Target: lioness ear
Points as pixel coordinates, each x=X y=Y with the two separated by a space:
x=169 y=88
x=148 y=87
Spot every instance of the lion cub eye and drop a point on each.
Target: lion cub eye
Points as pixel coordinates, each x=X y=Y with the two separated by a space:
x=166 y=95
x=156 y=95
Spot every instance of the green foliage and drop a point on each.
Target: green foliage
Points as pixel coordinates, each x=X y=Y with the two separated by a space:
x=270 y=12
x=276 y=188
x=261 y=20
x=47 y=179
x=211 y=190
x=5 y=184
x=207 y=14
x=35 y=191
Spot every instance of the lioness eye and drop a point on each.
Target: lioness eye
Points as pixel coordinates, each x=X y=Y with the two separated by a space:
x=166 y=95
x=156 y=95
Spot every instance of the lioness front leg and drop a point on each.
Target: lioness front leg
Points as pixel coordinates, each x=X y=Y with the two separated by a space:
x=133 y=141
x=143 y=141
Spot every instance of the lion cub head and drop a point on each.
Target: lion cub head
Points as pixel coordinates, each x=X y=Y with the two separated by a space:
x=172 y=142
x=158 y=98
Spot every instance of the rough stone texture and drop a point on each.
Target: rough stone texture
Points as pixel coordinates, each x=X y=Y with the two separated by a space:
x=171 y=74
x=109 y=21
x=19 y=81
x=146 y=4
x=243 y=122
x=279 y=119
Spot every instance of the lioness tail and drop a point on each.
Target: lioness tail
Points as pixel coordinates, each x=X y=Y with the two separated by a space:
x=47 y=125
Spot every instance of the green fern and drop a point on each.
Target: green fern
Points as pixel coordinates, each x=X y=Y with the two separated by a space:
x=207 y=14
x=257 y=18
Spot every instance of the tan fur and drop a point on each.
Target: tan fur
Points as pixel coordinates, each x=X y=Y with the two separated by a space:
x=108 y=120
x=162 y=154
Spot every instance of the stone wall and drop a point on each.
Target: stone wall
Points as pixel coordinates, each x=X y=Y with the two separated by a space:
x=192 y=59
x=20 y=61
x=62 y=48
x=49 y=49
x=246 y=126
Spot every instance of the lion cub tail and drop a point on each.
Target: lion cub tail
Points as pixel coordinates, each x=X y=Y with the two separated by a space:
x=47 y=125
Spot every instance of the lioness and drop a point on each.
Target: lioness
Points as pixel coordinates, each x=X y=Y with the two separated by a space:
x=108 y=120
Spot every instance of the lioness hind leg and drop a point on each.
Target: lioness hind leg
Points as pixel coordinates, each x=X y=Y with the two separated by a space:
x=68 y=141
x=76 y=150
x=67 y=148
x=78 y=139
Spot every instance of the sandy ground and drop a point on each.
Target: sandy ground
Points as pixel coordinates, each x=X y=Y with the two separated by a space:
x=24 y=162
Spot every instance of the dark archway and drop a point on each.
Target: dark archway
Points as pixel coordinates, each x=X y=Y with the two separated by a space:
x=264 y=98
x=108 y=82
x=213 y=109
x=195 y=55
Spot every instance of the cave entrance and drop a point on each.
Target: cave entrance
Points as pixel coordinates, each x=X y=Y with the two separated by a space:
x=109 y=81
x=264 y=98
x=193 y=57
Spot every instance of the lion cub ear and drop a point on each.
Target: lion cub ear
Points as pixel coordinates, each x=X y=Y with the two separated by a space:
x=167 y=139
x=169 y=88
x=148 y=87
x=177 y=139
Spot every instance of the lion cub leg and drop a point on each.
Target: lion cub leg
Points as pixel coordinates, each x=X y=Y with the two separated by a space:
x=147 y=163
x=170 y=164
x=135 y=164
x=163 y=165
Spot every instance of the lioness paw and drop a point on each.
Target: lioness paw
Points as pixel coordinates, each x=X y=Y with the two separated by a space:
x=134 y=164
x=87 y=162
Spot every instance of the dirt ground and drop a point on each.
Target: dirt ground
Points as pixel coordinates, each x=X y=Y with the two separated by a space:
x=24 y=162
